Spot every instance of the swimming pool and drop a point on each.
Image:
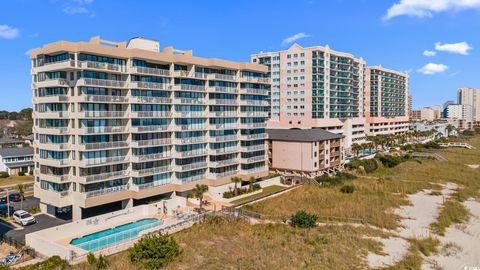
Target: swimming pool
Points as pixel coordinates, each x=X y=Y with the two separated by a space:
x=109 y=237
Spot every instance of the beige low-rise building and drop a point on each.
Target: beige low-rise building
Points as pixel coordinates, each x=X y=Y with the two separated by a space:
x=307 y=152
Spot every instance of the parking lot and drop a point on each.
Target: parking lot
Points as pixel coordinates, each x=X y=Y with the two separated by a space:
x=43 y=221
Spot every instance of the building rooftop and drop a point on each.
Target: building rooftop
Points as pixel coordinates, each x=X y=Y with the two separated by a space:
x=6 y=140
x=301 y=135
x=16 y=151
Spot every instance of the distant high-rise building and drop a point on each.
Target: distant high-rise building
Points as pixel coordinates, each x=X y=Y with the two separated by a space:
x=437 y=112
x=423 y=114
x=459 y=111
x=470 y=97
x=316 y=87
x=386 y=101
x=444 y=110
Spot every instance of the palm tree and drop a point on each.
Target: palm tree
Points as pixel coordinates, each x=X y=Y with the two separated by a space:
x=356 y=148
x=236 y=180
x=251 y=181
x=198 y=192
x=450 y=128
x=21 y=189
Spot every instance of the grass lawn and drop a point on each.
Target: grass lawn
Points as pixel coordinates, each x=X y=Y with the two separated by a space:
x=226 y=244
x=265 y=191
x=13 y=180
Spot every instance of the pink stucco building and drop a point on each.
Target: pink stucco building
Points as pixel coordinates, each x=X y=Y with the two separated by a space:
x=316 y=87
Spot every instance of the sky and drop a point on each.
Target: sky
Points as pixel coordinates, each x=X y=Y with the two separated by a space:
x=435 y=41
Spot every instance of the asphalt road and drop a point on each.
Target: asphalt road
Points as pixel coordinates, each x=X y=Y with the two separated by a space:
x=43 y=222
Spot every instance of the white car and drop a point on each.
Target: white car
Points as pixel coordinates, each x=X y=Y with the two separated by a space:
x=23 y=217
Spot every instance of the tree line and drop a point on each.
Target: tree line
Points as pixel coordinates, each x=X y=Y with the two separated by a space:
x=24 y=114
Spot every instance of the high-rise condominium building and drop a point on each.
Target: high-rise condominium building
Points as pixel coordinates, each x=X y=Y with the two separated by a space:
x=459 y=111
x=470 y=97
x=316 y=87
x=386 y=101
x=117 y=124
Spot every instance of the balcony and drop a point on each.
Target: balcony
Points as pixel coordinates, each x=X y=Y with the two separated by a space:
x=223 y=151
x=105 y=176
x=254 y=91
x=51 y=83
x=195 y=153
x=192 y=140
x=200 y=75
x=101 y=82
x=51 y=146
x=156 y=100
x=195 y=101
x=255 y=79
x=226 y=138
x=190 y=114
x=53 y=197
x=104 y=161
x=105 y=129
x=253 y=148
x=223 y=163
x=155 y=142
x=223 y=114
x=151 y=157
x=150 y=71
x=223 y=174
x=51 y=99
x=149 y=85
x=105 y=191
x=222 y=77
x=53 y=177
x=253 y=102
x=219 y=89
x=253 y=114
x=189 y=87
x=102 y=145
x=51 y=114
x=255 y=170
x=232 y=102
x=181 y=73
x=192 y=178
x=190 y=167
x=104 y=99
x=253 y=136
x=101 y=66
x=191 y=127
x=51 y=130
x=58 y=65
x=153 y=128
x=103 y=114
x=253 y=125
x=53 y=162
x=253 y=159
x=151 y=171
x=139 y=187
x=150 y=114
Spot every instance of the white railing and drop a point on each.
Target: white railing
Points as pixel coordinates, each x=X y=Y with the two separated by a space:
x=225 y=126
x=101 y=145
x=101 y=82
x=192 y=153
x=192 y=127
x=200 y=101
x=190 y=114
x=151 y=171
x=254 y=147
x=225 y=162
x=224 y=138
x=141 y=99
x=225 y=113
x=149 y=185
x=192 y=166
x=223 y=101
x=117 y=114
x=255 y=136
x=192 y=87
x=192 y=178
x=104 y=191
x=199 y=139
x=254 y=125
x=220 y=89
x=149 y=157
x=151 y=128
x=224 y=77
x=106 y=176
x=149 y=85
x=98 y=161
x=224 y=150
x=164 y=141
x=103 y=66
x=105 y=98
x=254 y=159
x=152 y=114
x=255 y=91
x=225 y=174
x=105 y=129
x=151 y=71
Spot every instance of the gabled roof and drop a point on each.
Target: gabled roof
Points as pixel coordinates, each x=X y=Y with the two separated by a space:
x=301 y=135
x=16 y=151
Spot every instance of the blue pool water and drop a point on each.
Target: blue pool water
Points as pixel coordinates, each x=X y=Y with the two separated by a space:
x=105 y=238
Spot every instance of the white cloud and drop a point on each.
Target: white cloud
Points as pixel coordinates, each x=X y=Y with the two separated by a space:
x=432 y=68
x=294 y=38
x=460 y=47
x=8 y=32
x=426 y=8
x=428 y=53
x=73 y=7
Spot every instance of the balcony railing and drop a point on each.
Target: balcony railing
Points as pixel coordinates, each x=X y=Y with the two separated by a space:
x=223 y=102
x=219 y=89
x=224 y=114
x=151 y=100
x=200 y=101
x=224 y=138
x=255 y=170
x=191 y=87
x=151 y=171
x=98 y=161
x=224 y=174
x=155 y=142
x=192 y=166
x=149 y=185
x=104 y=145
x=104 y=191
x=105 y=98
x=106 y=176
x=105 y=129
x=222 y=77
x=107 y=114
x=221 y=151
x=192 y=153
x=150 y=157
x=101 y=82
x=254 y=136
x=151 y=71
x=254 y=91
x=150 y=128
x=253 y=147
x=254 y=125
x=166 y=114
x=225 y=162
x=199 y=139
x=102 y=66
x=192 y=127
x=149 y=85
x=190 y=114
x=254 y=159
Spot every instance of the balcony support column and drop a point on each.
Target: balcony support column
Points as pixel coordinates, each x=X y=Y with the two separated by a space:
x=76 y=212
x=128 y=203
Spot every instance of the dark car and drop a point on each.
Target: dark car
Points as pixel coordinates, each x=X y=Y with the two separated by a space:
x=15 y=197
x=3 y=210
x=3 y=199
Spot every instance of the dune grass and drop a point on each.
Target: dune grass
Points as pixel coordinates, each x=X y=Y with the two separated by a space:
x=265 y=191
x=452 y=212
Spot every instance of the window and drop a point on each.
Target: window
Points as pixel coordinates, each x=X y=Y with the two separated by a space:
x=302 y=54
x=295 y=55
x=289 y=56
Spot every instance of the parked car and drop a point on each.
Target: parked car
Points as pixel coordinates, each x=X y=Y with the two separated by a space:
x=3 y=199
x=24 y=218
x=15 y=197
x=3 y=210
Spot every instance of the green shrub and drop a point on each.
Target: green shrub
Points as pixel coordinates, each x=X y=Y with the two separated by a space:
x=21 y=173
x=102 y=262
x=390 y=161
x=91 y=260
x=30 y=172
x=4 y=175
x=302 y=219
x=347 y=189
x=52 y=263
x=154 y=251
x=331 y=181
x=369 y=165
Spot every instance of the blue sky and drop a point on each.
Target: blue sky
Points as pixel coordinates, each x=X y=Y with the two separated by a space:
x=393 y=33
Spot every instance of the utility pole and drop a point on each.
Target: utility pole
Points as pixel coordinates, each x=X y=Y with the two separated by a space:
x=8 y=203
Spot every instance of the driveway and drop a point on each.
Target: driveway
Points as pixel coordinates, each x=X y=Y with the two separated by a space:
x=43 y=222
